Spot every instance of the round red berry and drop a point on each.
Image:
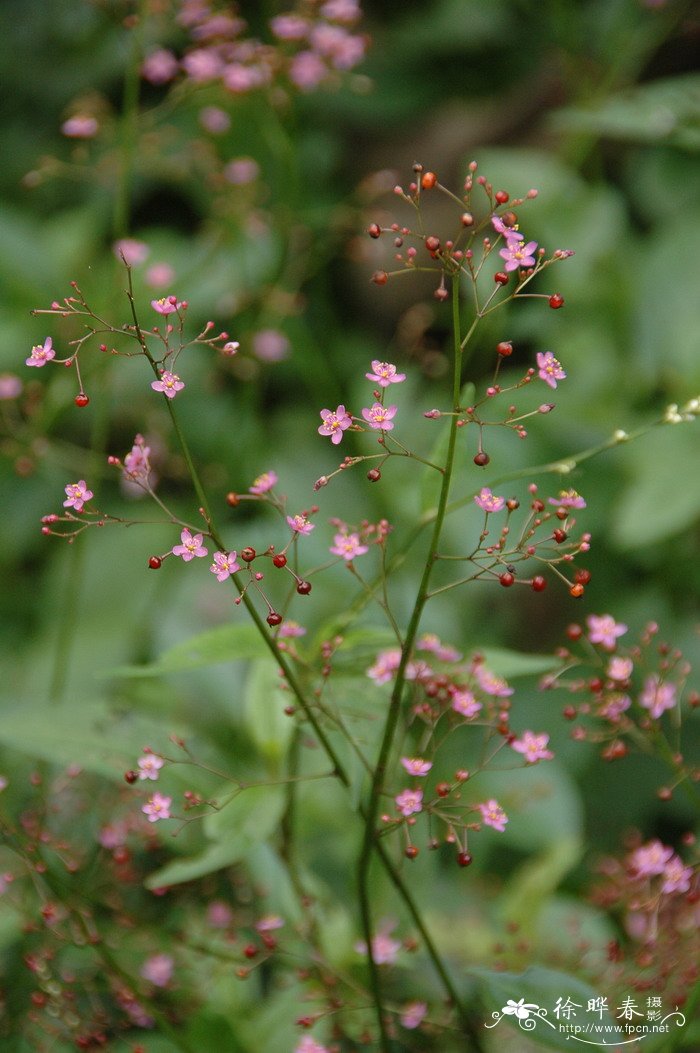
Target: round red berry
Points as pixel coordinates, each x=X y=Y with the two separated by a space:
x=248 y=554
x=443 y=789
x=250 y=950
x=374 y=475
x=428 y=180
x=559 y=536
x=582 y=577
x=576 y=591
x=464 y=859
x=380 y=277
x=502 y=196
x=304 y=588
x=274 y=618
x=481 y=459
x=501 y=278
x=232 y=499
x=280 y=560
x=506 y=579
x=81 y=399
x=131 y=777
x=374 y=230
x=539 y=583
x=556 y=301
x=432 y=243
x=467 y=219
x=505 y=348
x=411 y=851
x=574 y=632
x=155 y=562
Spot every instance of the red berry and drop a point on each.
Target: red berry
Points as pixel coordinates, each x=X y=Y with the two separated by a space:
x=501 y=278
x=432 y=243
x=304 y=588
x=155 y=562
x=374 y=475
x=380 y=277
x=574 y=632
x=569 y=712
x=559 y=535
x=509 y=219
x=501 y=196
x=464 y=859
x=539 y=583
x=250 y=950
x=505 y=348
x=232 y=499
x=582 y=577
x=443 y=789
x=374 y=230
x=411 y=851
x=467 y=219
x=556 y=301
x=512 y=504
x=428 y=180
x=482 y=459
x=274 y=618
x=131 y=777
x=576 y=591
x=506 y=579
x=280 y=560
x=248 y=554
x=81 y=399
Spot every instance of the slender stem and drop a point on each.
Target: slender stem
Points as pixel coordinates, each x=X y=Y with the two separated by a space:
x=369 y=844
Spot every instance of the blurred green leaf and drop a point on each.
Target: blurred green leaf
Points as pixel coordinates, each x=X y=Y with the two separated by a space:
x=511 y=664
x=532 y=884
x=226 y=643
x=264 y=718
x=540 y=987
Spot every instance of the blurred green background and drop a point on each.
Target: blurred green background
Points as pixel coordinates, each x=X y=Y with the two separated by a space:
x=596 y=103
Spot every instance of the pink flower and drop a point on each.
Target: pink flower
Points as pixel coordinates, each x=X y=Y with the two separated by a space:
x=159 y=67
x=518 y=254
x=41 y=354
x=657 y=696
x=224 y=565
x=488 y=501
x=214 y=120
x=307 y=70
x=76 y=495
x=384 y=949
x=270 y=923
x=80 y=126
x=291 y=629
x=614 y=706
x=431 y=642
x=334 y=424
x=202 y=65
x=10 y=386
x=493 y=815
x=650 y=859
x=550 y=369
x=604 y=630
x=380 y=417
x=263 y=483
x=492 y=684
x=159 y=275
x=300 y=525
x=239 y=171
x=166 y=305
x=158 y=969
x=191 y=546
x=348 y=546
x=510 y=233
x=158 y=807
x=169 y=384
x=149 y=766
x=409 y=802
x=289 y=27
x=270 y=345
x=219 y=914
x=676 y=876
x=307 y=1044
x=463 y=702
x=384 y=374
x=619 y=668
x=347 y=11
x=568 y=499
x=533 y=747
x=385 y=666
x=416 y=766
x=136 y=463
x=413 y=1015
x=231 y=348
x=133 y=251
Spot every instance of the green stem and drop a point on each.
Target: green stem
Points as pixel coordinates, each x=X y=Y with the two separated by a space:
x=369 y=844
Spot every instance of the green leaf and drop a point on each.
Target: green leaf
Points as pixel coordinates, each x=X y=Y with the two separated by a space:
x=270 y=874
x=264 y=717
x=226 y=643
x=541 y=988
x=533 y=883
x=241 y=824
x=512 y=664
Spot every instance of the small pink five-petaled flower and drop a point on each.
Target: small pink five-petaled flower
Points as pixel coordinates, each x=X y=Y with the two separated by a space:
x=149 y=766
x=533 y=747
x=493 y=815
x=380 y=417
x=550 y=368
x=191 y=546
x=224 y=565
x=488 y=501
x=41 y=354
x=409 y=801
x=157 y=807
x=169 y=384
x=334 y=424
x=166 y=305
x=604 y=630
x=300 y=524
x=384 y=374
x=416 y=766
x=263 y=483
x=76 y=495
x=348 y=546
x=517 y=253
